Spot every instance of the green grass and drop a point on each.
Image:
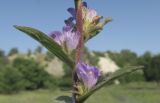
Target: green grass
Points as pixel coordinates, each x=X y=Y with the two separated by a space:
x=130 y=93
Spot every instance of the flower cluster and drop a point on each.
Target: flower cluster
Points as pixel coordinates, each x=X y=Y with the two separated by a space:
x=91 y=21
x=69 y=38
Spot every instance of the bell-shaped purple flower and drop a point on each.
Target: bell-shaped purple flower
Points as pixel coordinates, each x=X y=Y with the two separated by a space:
x=67 y=37
x=88 y=74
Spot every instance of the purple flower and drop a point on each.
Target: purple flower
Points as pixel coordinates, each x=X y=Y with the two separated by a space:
x=67 y=37
x=88 y=14
x=88 y=74
x=72 y=11
x=70 y=22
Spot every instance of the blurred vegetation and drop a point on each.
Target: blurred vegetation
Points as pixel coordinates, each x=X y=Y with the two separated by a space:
x=151 y=63
x=13 y=51
x=34 y=75
x=127 y=93
x=11 y=80
x=24 y=72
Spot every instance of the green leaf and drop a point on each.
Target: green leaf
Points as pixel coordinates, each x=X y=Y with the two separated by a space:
x=112 y=77
x=107 y=20
x=47 y=42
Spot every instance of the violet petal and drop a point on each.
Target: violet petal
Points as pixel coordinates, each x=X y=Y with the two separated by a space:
x=88 y=74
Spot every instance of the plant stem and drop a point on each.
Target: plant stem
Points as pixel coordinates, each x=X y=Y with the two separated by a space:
x=79 y=50
x=79 y=25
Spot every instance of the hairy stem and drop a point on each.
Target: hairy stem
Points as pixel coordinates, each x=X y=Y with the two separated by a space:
x=79 y=25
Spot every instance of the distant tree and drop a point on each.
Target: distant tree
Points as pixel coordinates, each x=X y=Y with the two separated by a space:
x=145 y=60
x=124 y=58
x=3 y=59
x=34 y=75
x=39 y=49
x=10 y=80
x=99 y=54
x=13 y=51
x=151 y=66
x=127 y=58
x=29 y=52
x=2 y=54
x=155 y=64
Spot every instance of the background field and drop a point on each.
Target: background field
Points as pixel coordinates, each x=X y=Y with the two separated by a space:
x=128 y=93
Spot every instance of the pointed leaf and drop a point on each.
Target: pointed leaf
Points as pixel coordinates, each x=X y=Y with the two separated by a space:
x=113 y=77
x=47 y=42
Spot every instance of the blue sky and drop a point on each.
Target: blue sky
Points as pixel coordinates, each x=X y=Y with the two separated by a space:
x=136 y=24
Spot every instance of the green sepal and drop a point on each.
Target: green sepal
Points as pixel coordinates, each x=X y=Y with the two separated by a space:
x=93 y=30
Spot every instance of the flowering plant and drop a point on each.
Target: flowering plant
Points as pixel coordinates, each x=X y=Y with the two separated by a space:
x=67 y=45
